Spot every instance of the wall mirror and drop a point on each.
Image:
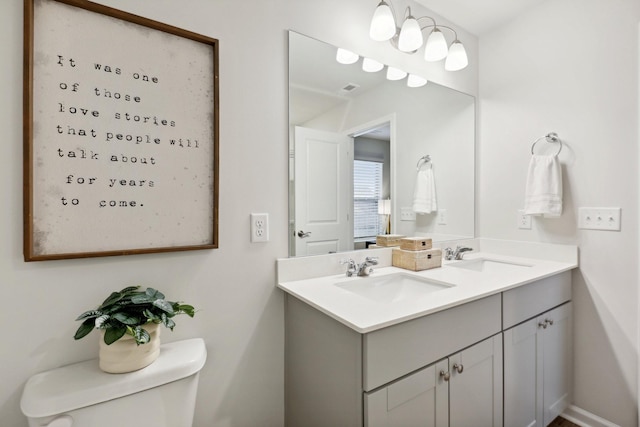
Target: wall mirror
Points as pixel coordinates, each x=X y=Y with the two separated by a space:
x=357 y=144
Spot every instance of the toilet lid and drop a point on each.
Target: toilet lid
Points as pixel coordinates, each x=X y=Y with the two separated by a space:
x=83 y=384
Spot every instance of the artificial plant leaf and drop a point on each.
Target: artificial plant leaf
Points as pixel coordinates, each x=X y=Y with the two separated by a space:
x=150 y=315
x=141 y=299
x=89 y=314
x=129 y=290
x=127 y=319
x=154 y=294
x=164 y=306
x=84 y=329
x=111 y=299
x=114 y=333
x=141 y=335
x=168 y=322
x=186 y=309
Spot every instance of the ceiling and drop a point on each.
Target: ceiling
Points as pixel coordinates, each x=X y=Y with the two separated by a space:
x=478 y=16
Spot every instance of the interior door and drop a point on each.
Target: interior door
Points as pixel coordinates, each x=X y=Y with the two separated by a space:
x=323 y=192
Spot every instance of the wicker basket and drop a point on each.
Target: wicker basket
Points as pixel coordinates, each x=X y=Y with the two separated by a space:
x=389 y=239
x=416 y=260
x=415 y=243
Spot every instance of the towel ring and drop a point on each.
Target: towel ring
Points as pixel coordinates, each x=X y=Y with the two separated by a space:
x=425 y=159
x=550 y=137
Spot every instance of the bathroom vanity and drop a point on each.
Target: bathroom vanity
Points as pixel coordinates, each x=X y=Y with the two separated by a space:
x=488 y=344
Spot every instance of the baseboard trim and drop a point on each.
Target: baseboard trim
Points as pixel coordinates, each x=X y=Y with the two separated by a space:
x=585 y=418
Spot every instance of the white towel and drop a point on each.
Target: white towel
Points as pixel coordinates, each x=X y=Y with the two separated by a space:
x=424 y=194
x=543 y=195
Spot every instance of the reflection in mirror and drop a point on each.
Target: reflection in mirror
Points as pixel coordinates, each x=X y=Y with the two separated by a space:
x=356 y=144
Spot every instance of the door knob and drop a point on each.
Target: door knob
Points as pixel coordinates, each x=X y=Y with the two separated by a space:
x=445 y=375
x=458 y=367
x=303 y=234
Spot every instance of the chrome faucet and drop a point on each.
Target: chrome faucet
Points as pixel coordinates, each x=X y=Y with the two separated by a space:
x=457 y=253
x=364 y=269
x=352 y=268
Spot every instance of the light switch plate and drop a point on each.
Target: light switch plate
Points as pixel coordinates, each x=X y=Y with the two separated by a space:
x=407 y=214
x=599 y=218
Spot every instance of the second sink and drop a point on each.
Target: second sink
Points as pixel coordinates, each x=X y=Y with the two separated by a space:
x=392 y=288
x=485 y=265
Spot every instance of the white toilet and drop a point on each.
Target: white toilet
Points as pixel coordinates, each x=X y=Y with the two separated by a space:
x=80 y=395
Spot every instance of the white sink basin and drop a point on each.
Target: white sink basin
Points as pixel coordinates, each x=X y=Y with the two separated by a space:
x=484 y=265
x=391 y=288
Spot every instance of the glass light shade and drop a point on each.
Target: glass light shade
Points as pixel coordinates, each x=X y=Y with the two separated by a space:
x=371 y=65
x=436 y=48
x=383 y=25
x=416 y=81
x=395 y=73
x=457 y=58
x=345 y=56
x=410 y=38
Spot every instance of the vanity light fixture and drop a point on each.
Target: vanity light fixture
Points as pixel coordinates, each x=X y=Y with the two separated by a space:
x=408 y=38
x=416 y=81
x=371 y=65
x=346 y=57
x=457 y=58
x=394 y=73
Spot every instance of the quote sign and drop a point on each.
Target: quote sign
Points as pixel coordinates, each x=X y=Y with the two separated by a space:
x=121 y=134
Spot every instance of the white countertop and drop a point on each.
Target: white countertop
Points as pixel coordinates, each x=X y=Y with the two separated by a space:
x=366 y=315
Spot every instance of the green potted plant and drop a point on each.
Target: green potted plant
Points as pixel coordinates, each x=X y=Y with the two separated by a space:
x=127 y=319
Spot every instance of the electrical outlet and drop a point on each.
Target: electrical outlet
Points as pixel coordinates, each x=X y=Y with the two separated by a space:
x=599 y=218
x=259 y=227
x=442 y=217
x=524 y=221
x=407 y=214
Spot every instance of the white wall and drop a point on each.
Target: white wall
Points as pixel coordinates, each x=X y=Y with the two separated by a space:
x=432 y=120
x=571 y=66
x=240 y=311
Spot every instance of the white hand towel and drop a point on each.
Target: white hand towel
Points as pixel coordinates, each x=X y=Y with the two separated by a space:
x=544 y=187
x=424 y=194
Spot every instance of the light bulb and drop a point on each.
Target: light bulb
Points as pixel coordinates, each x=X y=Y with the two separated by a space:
x=410 y=38
x=345 y=56
x=416 y=81
x=371 y=65
x=436 y=48
x=395 y=73
x=457 y=58
x=383 y=25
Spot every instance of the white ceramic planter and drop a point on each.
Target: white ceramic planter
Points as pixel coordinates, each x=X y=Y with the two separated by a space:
x=125 y=355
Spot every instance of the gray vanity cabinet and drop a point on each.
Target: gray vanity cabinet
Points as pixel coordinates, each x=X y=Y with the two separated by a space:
x=421 y=399
x=464 y=389
x=443 y=369
x=537 y=360
x=332 y=372
x=537 y=355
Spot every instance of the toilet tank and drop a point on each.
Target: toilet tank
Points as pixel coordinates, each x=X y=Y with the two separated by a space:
x=161 y=395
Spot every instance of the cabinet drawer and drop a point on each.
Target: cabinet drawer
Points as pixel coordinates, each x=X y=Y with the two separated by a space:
x=529 y=300
x=395 y=351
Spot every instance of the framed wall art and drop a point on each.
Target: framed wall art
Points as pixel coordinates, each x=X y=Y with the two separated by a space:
x=121 y=129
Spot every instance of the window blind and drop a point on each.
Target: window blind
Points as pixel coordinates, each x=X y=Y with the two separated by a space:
x=367 y=190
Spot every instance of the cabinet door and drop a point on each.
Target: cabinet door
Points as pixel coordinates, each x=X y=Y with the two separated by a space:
x=537 y=369
x=419 y=400
x=475 y=387
x=522 y=391
x=556 y=359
